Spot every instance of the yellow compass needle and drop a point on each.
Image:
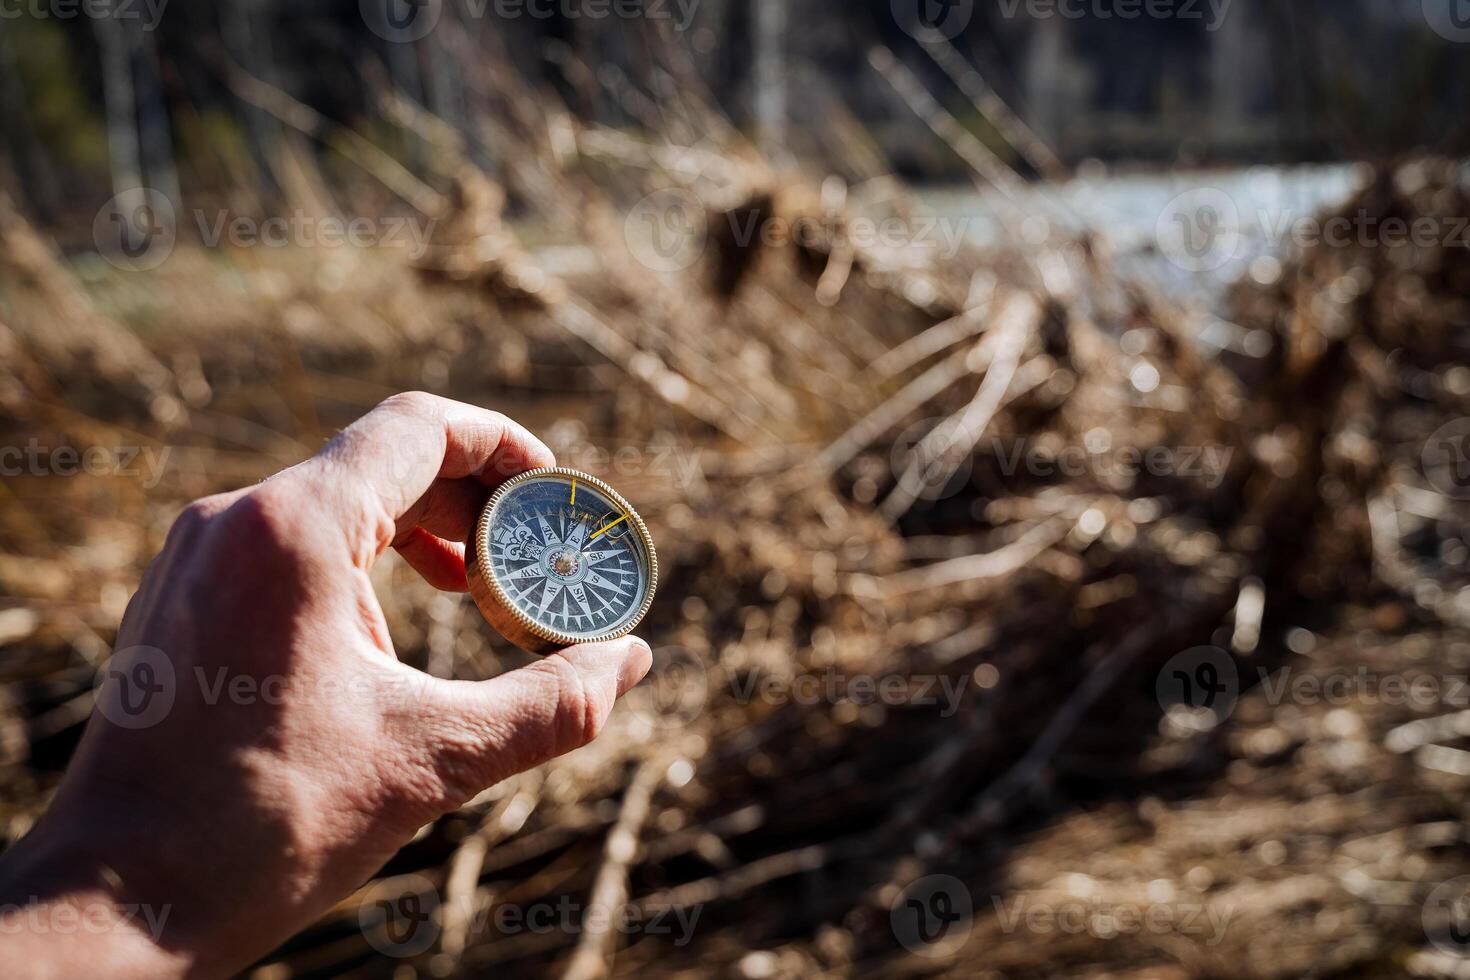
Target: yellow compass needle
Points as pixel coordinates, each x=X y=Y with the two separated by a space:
x=605 y=528
x=573 y=501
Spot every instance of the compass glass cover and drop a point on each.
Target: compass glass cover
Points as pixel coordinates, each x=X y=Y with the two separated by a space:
x=568 y=556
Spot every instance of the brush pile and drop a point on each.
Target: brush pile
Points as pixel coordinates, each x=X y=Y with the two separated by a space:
x=932 y=529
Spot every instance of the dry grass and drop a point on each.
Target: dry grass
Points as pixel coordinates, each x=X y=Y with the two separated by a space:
x=770 y=398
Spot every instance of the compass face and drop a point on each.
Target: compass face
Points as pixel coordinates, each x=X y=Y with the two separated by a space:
x=569 y=555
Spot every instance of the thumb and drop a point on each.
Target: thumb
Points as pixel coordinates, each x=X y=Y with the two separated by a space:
x=484 y=731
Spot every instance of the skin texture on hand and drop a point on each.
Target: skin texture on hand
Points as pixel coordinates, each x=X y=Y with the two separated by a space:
x=283 y=753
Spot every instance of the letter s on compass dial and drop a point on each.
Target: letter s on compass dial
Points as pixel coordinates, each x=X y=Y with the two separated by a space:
x=559 y=558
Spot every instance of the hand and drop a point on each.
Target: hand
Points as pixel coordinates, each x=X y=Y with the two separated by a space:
x=258 y=751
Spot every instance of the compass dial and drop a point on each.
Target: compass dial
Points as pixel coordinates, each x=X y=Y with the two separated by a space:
x=558 y=558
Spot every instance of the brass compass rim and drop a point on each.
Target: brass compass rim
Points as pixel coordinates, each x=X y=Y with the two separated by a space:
x=494 y=602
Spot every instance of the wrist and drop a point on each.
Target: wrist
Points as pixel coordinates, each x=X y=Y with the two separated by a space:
x=62 y=913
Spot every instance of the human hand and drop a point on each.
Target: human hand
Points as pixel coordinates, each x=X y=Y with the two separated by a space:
x=258 y=751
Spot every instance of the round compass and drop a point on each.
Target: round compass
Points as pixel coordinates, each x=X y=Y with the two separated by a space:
x=559 y=558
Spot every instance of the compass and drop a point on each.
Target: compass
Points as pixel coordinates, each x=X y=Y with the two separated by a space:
x=557 y=558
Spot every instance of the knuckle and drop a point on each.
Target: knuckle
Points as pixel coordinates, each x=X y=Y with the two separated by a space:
x=197 y=515
x=456 y=752
x=428 y=760
x=579 y=716
x=267 y=516
x=264 y=532
x=235 y=548
x=456 y=772
x=448 y=755
x=412 y=403
x=192 y=529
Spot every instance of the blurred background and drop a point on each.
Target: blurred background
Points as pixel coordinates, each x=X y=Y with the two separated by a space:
x=1053 y=417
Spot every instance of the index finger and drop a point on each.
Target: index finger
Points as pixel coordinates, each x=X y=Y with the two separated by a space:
x=388 y=459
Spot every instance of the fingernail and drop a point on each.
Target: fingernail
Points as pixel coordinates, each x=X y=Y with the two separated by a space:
x=637 y=659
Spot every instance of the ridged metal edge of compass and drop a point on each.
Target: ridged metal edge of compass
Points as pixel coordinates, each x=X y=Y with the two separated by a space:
x=496 y=606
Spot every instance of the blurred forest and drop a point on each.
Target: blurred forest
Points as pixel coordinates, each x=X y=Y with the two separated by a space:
x=164 y=94
x=1098 y=537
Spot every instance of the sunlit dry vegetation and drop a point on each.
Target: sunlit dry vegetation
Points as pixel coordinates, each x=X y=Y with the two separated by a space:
x=822 y=437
